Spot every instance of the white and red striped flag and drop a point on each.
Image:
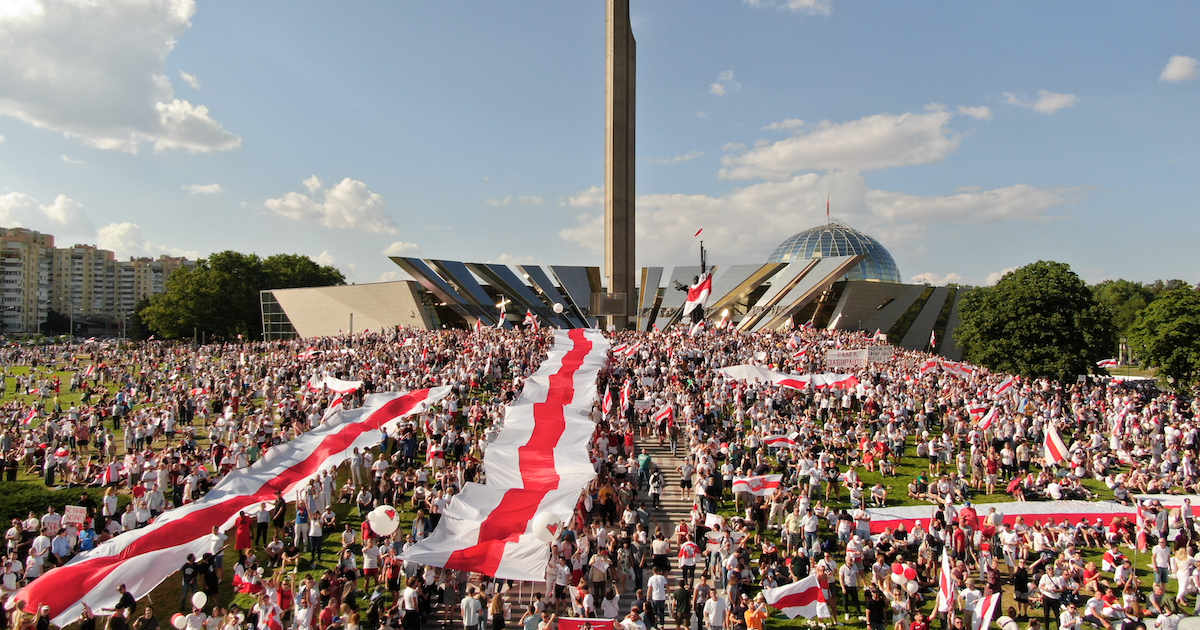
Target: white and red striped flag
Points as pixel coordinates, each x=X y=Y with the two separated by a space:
x=780 y=441
x=799 y=354
x=91 y=369
x=985 y=423
x=142 y=558
x=929 y=366
x=607 y=405
x=538 y=464
x=698 y=294
x=945 y=597
x=696 y=328
x=760 y=486
x=793 y=342
x=666 y=413
x=1108 y=363
x=531 y=320
x=799 y=599
x=724 y=320
x=1140 y=517
x=1055 y=450
x=697 y=232
x=985 y=607
x=1005 y=385
x=625 y=393
x=932 y=340
x=975 y=409
x=478 y=326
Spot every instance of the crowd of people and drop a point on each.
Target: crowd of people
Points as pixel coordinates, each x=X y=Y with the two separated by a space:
x=158 y=424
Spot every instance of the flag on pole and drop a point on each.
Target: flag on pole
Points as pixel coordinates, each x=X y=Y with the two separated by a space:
x=91 y=369
x=760 y=486
x=780 y=441
x=879 y=335
x=666 y=413
x=478 y=326
x=1055 y=450
x=793 y=342
x=531 y=320
x=932 y=339
x=799 y=354
x=1108 y=363
x=625 y=393
x=698 y=294
x=608 y=401
x=1005 y=385
x=975 y=409
x=29 y=417
x=929 y=366
x=695 y=330
x=802 y=598
x=946 y=598
x=697 y=232
x=724 y=321
x=985 y=423
x=1141 y=527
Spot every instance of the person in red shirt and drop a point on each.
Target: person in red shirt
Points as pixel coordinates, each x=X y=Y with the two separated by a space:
x=919 y=622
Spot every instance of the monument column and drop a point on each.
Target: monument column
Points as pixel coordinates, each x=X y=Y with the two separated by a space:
x=620 y=88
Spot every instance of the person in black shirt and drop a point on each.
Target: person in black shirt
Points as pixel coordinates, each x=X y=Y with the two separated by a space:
x=147 y=621
x=876 y=609
x=126 y=601
x=800 y=565
x=189 y=572
x=117 y=621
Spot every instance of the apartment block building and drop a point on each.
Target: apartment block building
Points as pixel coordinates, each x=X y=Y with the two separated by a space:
x=82 y=281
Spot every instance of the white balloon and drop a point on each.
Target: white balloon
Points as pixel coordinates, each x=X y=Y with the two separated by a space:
x=199 y=599
x=912 y=587
x=384 y=520
x=545 y=526
x=179 y=621
x=558 y=308
x=899 y=578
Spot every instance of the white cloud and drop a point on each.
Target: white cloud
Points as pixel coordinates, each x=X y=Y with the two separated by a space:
x=725 y=84
x=95 y=71
x=349 y=205
x=1180 y=68
x=591 y=198
x=394 y=276
x=937 y=280
x=1047 y=102
x=789 y=124
x=521 y=199
x=701 y=115
x=871 y=143
x=400 y=248
x=127 y=239
x=733 y=146
x=982 y=113
x=744 y=223
x=67 y=160
x=2 y=139
x=508 y=259
x=190 y=79
x=686 y=157
x=203 y=189
x=1021 y=201
x=64 y=218
x=995 y=277
x=325 y=259
x=814 y=7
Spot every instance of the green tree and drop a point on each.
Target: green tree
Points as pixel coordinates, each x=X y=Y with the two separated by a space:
x=1166 y=336
x=288 y=271
x=220 y=296
x=1038 y=321
x=1125 y=299
x=56 y=324
x=136 y=327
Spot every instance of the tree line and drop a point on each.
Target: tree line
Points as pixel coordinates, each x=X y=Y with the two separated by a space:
x=219 y=297
x=1043 y=321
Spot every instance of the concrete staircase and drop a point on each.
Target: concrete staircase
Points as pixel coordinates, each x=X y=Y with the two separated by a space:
x=672 y=508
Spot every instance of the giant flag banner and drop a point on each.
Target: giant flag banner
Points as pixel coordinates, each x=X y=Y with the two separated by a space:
x=538 y=463
x=794 y=381
x=142 y=558
x=760 y=486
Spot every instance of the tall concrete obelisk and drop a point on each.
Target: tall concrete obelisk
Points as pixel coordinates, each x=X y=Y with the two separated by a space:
x=620 y=81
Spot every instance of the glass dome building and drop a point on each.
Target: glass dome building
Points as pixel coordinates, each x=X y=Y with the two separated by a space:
x=839 y=239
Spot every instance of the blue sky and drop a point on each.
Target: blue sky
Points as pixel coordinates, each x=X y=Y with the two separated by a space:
x=968 y=137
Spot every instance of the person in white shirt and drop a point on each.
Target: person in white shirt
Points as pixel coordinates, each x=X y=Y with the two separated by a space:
x=656 y=588
x=1069 y=620
x=715 y=610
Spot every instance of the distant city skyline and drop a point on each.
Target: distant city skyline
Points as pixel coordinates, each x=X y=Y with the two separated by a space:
x=967 y=139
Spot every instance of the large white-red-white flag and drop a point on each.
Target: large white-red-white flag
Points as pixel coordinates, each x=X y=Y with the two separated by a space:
x=945 y=597
x=608 y=402
x=1005 y=385
x=799 y=599
x=1052 y=445
x=755 y=373
x=986 y=421
x=780 y=441
x=698 y=294
x=537 y=464
x=760 y=486
x=985 y=607
x=142 y=558
x=666 y=414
